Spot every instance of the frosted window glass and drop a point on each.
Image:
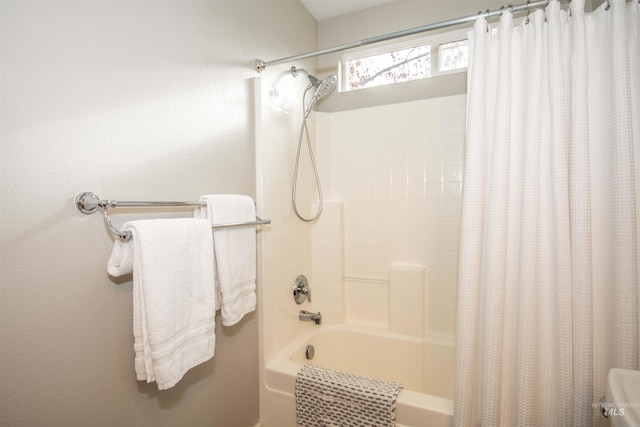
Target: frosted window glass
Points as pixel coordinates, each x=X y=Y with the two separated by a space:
x=453 y=55
x=389 y=67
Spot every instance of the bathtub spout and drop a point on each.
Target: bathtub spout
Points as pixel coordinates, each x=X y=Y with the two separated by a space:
x=311 y=317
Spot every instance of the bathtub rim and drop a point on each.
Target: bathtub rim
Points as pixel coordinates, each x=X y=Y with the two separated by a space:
x=280 y=373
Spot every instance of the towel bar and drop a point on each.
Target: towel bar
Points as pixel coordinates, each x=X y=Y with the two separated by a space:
x=89 y=202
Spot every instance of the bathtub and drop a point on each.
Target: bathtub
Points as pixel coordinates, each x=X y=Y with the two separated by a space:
x=367 y=353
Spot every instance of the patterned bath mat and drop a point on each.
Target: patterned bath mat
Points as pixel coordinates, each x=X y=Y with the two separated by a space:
x=326 y=398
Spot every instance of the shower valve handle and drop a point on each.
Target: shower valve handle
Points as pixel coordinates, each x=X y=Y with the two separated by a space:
x=301 y=289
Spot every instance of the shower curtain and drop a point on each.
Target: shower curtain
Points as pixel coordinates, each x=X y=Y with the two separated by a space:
x=548 y=284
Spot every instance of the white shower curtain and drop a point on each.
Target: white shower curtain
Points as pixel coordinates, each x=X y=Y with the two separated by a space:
x=548 y=287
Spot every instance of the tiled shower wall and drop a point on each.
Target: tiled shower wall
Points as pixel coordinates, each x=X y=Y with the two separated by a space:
x=398 y=170
x=285 y=245
x=396 y=173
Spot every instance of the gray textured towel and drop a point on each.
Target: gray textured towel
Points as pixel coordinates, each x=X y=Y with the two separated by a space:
x=326 y=398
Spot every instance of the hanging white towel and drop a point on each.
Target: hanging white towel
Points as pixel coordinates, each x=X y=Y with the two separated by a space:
x=235 y=253
x=173 y=295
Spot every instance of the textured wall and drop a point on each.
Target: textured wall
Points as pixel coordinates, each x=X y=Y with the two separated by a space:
x=132 y=100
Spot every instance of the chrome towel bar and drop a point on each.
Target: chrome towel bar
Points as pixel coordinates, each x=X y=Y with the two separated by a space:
x=89 y=202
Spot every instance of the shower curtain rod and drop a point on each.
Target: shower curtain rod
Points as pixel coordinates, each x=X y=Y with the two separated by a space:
x=261 y=65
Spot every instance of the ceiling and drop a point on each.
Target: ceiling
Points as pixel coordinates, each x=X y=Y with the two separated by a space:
x=324 y=9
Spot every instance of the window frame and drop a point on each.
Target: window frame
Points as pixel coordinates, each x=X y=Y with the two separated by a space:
x=433 y=40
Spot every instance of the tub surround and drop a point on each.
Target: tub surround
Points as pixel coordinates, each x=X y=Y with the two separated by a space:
x=402 y=202
x=383 y=255
x=406 y=300
x=327 y=263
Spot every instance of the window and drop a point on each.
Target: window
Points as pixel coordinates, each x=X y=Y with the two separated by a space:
x=453 y=55
x=394 y=63
x=389 y=67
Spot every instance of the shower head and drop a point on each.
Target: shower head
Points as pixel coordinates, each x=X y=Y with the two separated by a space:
x=323 y=87
x=326 y=86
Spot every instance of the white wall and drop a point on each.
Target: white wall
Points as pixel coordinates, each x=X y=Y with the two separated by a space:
x=134 y=100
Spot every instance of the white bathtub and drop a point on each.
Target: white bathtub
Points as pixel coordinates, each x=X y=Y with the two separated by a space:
x=367 y=353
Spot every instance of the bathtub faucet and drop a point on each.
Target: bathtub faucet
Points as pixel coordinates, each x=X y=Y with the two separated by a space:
x=311 y=317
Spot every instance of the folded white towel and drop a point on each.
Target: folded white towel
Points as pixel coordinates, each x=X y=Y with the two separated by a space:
x=235 y=253
x=173 y=295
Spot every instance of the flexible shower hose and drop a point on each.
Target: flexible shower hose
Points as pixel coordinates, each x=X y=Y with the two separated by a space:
x=304 y=131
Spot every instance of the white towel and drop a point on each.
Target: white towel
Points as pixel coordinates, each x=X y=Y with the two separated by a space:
x=173 y=295
x=235 y=253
